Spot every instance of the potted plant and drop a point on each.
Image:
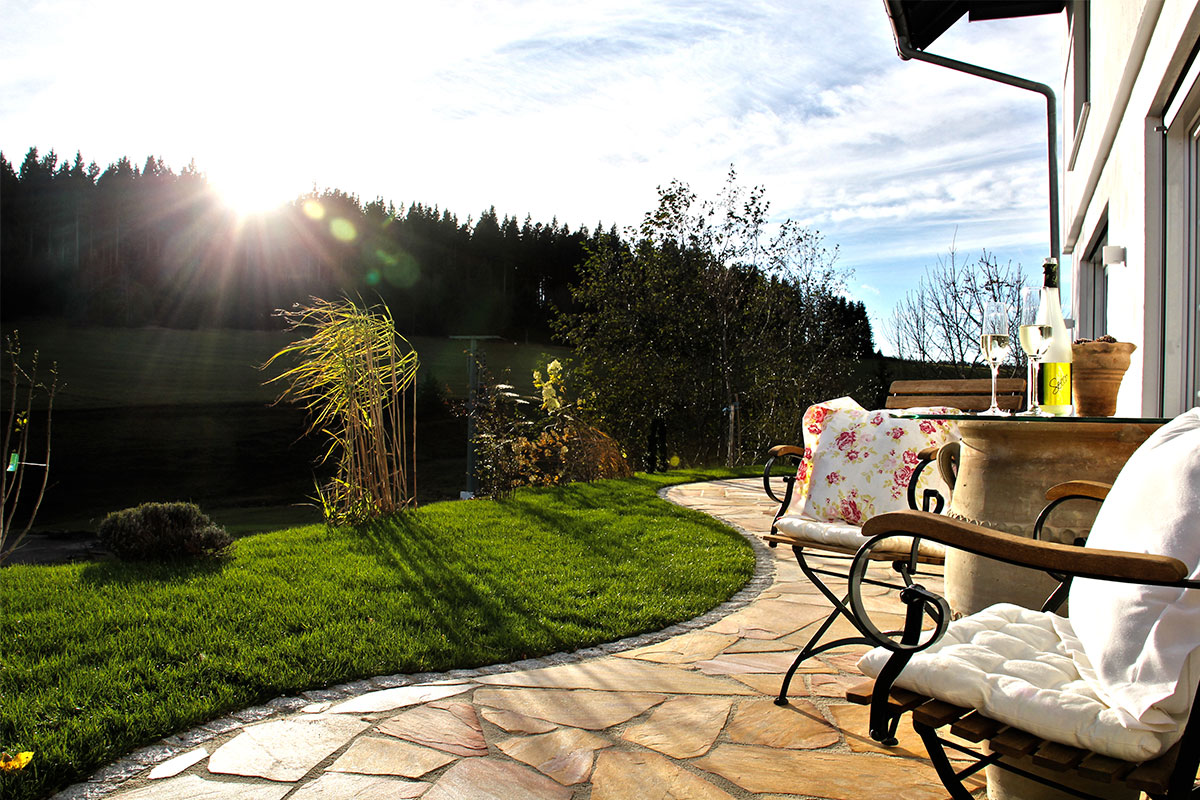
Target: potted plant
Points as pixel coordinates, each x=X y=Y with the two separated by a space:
x=1096 y=371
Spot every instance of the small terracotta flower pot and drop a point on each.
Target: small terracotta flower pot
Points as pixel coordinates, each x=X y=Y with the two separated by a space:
x=1096 y=372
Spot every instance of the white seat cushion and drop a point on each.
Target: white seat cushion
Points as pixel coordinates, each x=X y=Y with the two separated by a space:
x=840 y=534
x=1020 y=667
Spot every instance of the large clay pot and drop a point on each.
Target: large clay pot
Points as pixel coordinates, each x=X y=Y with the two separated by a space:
x=1096 y=372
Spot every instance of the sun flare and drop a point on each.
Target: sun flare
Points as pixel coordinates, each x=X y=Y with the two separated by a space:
x=251 y=191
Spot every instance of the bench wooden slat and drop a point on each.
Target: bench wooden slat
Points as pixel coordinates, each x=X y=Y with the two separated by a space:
x=975 y=727
x=1154 y=777
x=1103 y=768
x=1060 y=757
x=937 y=713
x=957 y=386
x=963 y=402
x=899 y=701
x=1014 y=742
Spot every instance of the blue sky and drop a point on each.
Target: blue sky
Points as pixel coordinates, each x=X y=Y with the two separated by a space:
x=574 y=110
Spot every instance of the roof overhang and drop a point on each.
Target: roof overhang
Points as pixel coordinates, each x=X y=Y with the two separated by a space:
x=919 y=23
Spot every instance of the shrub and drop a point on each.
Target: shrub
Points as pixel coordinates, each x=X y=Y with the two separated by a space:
x=163 y=531
x=519 y=443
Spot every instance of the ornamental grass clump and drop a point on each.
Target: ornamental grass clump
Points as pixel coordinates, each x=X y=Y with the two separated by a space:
x=357 y=381
x=163 y=532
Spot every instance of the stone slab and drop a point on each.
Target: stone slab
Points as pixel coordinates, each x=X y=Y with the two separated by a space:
x=566 y=755
x=770 y=619
x=486 y=779
x=797 y=726
x=453 y=727
x=178 y=764
x=383 y=755
x=775 y=663
x=514 y=722
x=193 y=787
x=400 y=697
x=617 y=675
x=341 y=785
x=833 y=776
x=682 y=727
x=286 y=749
x=624 y=775
x=758 y=646
x=578 y=708
x=691 y=647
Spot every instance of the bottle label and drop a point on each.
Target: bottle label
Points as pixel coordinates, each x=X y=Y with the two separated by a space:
x=1055 y=388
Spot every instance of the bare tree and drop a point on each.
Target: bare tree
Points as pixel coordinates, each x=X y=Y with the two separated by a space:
x=939 y=321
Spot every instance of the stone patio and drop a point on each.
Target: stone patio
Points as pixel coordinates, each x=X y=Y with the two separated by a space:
x=684 y=714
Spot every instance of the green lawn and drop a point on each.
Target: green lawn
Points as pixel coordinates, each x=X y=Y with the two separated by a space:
x=99 y=659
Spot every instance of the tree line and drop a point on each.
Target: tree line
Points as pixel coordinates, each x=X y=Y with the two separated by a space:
x=131 y=245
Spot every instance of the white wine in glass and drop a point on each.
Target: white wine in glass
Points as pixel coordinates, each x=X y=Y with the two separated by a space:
x=1034 y=339
x=994 y=347
x=994 y=344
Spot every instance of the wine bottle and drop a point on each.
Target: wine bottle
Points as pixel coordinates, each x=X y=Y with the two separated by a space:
x=1054 y=391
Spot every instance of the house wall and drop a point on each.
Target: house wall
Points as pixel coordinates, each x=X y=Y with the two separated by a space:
x=1138 y=50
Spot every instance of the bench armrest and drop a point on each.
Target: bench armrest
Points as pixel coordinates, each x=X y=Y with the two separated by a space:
x=1093 y=490
x=1050 y=556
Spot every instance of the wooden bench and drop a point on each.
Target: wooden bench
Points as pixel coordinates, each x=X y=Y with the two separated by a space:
x=968 y=394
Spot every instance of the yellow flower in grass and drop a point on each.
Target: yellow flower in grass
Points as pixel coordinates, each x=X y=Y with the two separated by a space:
x=13 y=763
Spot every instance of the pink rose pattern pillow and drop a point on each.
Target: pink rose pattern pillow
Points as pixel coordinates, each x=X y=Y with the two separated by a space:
x=814 y=423
x=858 y=463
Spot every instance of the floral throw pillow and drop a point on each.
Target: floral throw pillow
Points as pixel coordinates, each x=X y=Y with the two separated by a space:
x=814 y=423
x=862 y=462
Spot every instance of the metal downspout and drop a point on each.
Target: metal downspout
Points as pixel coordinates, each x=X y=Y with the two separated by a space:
x=907 y=51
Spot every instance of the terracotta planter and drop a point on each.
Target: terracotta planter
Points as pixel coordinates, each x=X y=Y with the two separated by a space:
x=1096 y=372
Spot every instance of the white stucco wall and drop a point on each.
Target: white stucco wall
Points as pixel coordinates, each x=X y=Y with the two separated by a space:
x=1137 y=48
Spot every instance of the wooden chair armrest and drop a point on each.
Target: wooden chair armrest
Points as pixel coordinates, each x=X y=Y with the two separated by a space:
x=785 y=450
x=1090 y=489
x=1051 y=556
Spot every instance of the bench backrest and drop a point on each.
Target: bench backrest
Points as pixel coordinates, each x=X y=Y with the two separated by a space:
x=970 y=394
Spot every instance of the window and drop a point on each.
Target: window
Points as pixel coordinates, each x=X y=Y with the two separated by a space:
x=1092 y=303
x=1078 y=82
x=1181 y=307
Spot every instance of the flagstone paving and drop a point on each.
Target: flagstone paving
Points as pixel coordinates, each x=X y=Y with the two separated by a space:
x=685 y=714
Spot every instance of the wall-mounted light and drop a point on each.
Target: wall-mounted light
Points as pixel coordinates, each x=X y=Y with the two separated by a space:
x=1113 y=254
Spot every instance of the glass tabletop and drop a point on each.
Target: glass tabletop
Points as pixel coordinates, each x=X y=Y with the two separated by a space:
x=899 y=412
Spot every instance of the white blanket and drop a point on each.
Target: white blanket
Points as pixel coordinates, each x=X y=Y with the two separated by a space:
x=1019 y=667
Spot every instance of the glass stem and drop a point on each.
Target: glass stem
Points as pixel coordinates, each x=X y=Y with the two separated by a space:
x=995 y=405
x=1031 y=386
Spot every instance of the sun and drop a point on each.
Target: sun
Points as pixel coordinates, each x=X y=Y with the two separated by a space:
x=251 y=191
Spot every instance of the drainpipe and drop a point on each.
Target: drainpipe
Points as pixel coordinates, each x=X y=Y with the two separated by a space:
x=907 y=51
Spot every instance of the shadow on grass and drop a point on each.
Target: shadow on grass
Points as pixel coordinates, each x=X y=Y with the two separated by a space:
x=114 y=571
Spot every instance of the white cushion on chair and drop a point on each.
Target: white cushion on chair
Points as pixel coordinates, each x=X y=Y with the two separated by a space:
x=840 y=534
x=1020 y=667
x=1142 y=638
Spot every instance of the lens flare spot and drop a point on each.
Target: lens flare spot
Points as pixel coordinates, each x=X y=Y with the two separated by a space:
x=673 y=461
x=343 y=230
x=313 y=209
x=403 y=272
x=373 y=278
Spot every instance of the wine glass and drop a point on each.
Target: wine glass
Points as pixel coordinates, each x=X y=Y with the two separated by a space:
x=1034 y=337
x=994 y=344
